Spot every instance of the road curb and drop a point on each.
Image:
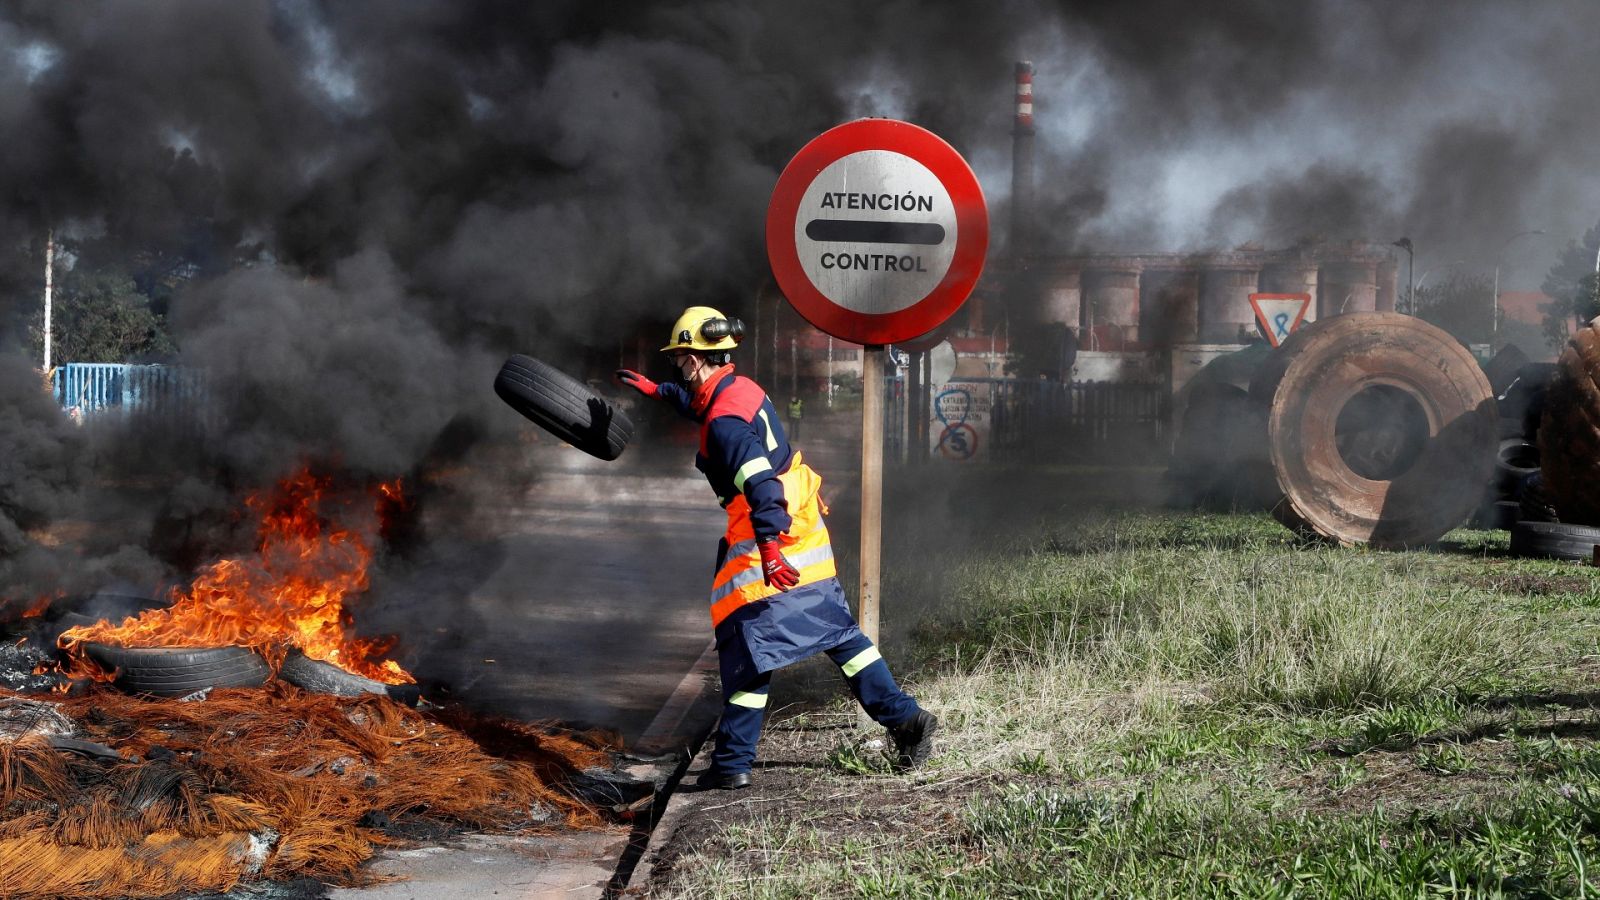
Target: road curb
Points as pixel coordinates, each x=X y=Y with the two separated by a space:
x=679 y=807
x=676 y=727
x=680 y=728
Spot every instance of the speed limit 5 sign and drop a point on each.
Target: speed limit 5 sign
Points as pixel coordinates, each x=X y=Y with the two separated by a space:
x=877 y=231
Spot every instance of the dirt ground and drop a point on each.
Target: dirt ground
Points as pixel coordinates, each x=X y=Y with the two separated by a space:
x=809 y=772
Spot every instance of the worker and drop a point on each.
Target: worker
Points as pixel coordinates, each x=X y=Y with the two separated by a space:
x=797 y=411
x=775 y=599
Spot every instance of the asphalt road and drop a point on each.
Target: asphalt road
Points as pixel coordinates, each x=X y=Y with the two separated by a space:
x=580 y=597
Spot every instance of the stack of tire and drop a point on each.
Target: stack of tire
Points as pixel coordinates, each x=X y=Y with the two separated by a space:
x=1568 y=484
x=1514 y=493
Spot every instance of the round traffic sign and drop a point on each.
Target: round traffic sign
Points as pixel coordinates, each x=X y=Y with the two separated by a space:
x=877 y=231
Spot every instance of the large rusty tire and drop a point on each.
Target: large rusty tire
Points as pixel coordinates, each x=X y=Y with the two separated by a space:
x=1381 y=430
x=1263 y=388
x=1569 y=430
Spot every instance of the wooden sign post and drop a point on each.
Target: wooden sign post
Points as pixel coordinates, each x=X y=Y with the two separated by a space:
x=871 y=488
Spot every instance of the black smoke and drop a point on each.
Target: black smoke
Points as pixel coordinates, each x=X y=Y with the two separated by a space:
x=1206 y=126
x=381 y=200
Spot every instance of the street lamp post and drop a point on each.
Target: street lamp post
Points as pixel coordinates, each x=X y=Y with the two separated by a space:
x=49 y=312
x=1494 y=311
x=1411 y=273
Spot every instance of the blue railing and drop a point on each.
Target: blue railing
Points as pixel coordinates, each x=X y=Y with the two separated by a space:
x=91 y=389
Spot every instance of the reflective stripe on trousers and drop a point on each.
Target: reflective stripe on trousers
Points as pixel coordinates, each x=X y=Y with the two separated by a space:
x=863 y=669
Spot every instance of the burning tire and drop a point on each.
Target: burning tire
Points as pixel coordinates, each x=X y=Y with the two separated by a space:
x=179 y=671
x=564 y=406
x=325 y=678
x=1381 y=430
x=1554 y=540
x=1569 y=430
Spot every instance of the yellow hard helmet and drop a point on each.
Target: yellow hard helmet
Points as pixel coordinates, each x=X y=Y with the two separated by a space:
x=703 y=328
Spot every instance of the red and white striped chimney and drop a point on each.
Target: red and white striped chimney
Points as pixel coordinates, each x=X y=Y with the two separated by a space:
x=1022 y=224
x=1024 y=97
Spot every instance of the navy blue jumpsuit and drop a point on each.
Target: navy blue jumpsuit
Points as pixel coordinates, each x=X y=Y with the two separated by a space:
x=761 y=480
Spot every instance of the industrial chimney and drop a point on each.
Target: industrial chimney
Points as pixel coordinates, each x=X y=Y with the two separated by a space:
x=1022 y=164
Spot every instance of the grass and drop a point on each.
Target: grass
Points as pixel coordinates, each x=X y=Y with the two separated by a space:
x=1175 y=705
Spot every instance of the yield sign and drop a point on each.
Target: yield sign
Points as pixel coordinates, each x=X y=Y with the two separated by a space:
x=1279 y=314
x=877 y=231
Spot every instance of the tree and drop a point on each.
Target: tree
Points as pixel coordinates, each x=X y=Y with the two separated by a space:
x=101 y=317
x=1572 y=287
x=1461 y=304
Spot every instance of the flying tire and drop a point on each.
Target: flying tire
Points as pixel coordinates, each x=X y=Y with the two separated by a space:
x=1381 y=430
x=564 y=406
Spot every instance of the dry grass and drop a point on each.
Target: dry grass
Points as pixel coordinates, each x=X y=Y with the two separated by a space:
x=1136 y=619
x=261 y=783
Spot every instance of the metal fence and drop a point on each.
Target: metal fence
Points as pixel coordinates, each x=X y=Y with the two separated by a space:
x=1093 y=420
x=89 y=390
x=1050 y=421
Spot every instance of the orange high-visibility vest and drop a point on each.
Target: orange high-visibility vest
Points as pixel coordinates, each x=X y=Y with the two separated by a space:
x=805 y=544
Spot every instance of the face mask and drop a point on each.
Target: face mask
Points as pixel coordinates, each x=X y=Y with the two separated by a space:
x=683 y=367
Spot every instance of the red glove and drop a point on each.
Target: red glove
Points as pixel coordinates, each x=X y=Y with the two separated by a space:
x=638 y=382
x=775 y=569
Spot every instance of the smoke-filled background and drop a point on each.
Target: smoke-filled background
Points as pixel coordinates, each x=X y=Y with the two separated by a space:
x=375 y=202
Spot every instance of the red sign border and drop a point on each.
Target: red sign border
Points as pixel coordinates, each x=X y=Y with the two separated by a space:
x=1266 y=327
x=972 y=231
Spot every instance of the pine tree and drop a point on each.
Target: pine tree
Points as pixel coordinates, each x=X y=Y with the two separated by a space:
x=1572 y=286
x=101 y=317
x=1461 y=304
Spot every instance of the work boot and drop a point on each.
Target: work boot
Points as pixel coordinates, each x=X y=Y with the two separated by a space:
x=913 y=740
x=712 y=779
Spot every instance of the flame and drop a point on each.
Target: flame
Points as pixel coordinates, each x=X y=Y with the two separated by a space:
x=40 y=605
x=15 y=608
x=290 y=594
x=391 y=491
